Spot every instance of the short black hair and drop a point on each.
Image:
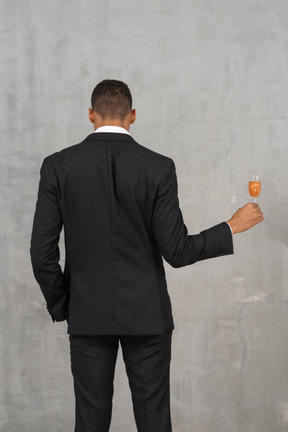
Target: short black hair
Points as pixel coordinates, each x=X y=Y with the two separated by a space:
x=111 y=98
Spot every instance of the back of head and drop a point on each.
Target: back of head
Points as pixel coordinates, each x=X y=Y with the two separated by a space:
x=111 y=99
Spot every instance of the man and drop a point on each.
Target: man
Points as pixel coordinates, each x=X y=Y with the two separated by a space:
x=118 y=204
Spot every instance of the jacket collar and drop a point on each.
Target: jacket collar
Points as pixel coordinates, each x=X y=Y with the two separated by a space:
x=109 y=136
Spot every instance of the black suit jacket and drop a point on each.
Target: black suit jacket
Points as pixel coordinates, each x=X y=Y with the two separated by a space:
x=118 y=204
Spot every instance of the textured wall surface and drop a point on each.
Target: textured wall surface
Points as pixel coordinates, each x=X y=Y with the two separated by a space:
x=210 y=83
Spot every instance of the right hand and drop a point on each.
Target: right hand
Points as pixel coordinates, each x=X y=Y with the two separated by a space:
x=245 y=218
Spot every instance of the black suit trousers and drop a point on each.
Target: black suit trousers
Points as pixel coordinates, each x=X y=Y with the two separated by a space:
x=147 y=361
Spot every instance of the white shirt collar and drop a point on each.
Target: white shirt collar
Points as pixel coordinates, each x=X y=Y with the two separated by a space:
x=113 y=129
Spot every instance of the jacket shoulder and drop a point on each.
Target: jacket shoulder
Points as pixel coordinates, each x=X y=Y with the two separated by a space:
x=64 y=152
x=154 y=158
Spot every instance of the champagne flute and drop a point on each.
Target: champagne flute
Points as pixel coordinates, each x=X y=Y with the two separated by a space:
x=254 y=187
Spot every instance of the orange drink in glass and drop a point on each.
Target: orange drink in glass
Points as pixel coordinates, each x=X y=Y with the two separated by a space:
x=254 y=187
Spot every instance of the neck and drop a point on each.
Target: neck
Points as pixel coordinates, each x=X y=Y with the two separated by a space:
x=111 y=122
x=99 y=121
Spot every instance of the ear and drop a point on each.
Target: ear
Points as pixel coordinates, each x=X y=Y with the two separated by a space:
x=133 y=116
x=91 y=115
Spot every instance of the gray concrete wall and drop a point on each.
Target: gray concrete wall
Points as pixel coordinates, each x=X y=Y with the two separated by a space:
x=210 y=82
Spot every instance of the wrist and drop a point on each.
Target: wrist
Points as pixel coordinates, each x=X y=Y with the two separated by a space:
x=232 y=226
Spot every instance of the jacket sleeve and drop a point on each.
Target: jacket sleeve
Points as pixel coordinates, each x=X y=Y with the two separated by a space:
x=44 y=249
x=176 y=246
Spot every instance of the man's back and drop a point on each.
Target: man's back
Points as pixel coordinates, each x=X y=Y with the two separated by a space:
x=107 y=187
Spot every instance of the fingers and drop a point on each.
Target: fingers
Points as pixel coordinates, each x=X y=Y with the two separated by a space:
x=257 y=213
x=256 y=208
